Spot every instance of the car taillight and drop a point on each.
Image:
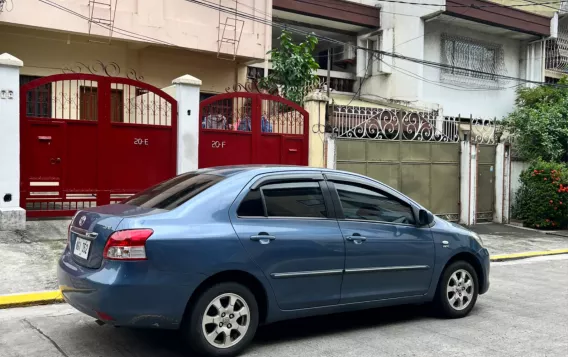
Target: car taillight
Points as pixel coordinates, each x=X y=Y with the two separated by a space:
x=127 y=245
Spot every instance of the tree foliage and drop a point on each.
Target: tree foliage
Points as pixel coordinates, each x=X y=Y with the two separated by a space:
x=539 y=123
x=293 y=67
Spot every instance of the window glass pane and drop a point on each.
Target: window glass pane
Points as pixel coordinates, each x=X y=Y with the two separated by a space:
x=174 y=192
x=303 y=199
x=251 y=205
x=364 y=204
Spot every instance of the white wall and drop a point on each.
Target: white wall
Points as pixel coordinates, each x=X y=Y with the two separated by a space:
x=408 y=40
x=517 y=167
x=176 y=23
x=486 y=103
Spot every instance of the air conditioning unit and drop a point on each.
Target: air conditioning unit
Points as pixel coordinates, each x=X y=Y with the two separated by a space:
x=344 y=54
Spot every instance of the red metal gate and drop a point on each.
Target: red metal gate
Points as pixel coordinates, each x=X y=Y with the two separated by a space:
x=89 y=140
x=252 y=128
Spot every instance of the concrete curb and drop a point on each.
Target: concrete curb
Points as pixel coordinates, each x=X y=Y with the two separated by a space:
x=30 y=299
x=514 y=256
x=55 y=296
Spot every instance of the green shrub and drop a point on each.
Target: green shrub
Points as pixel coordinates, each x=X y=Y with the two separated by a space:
x=542 y=200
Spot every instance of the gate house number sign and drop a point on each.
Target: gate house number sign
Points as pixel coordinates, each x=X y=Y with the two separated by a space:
x=217 y=144
x=140 y=141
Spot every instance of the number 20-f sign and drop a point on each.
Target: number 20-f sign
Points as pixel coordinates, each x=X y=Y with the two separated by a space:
x=217 y=144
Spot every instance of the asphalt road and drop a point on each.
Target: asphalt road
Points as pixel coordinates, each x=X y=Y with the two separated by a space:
x=525 y=313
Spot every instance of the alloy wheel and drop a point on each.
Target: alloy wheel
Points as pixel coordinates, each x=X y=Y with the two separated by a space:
x=460 y=289
x=226 y=320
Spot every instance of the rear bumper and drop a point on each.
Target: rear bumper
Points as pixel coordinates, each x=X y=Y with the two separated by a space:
x=486 y=267
x=127 y=293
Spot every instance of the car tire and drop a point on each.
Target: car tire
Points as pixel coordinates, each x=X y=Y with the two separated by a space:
x=215 y=328
x=457 y=290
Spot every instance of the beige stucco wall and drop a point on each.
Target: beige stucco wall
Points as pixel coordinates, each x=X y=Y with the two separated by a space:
x=547 y=9
x=172 y=22
x=46 y=53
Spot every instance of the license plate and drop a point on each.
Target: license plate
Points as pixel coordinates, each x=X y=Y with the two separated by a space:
x=82 y=248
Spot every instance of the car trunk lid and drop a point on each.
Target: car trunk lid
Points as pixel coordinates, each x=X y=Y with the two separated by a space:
x=90 y=230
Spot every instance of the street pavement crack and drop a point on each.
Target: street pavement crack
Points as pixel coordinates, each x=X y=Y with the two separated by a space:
x=46 y=336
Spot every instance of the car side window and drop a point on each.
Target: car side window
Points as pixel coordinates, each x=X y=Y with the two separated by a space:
x=252 y=205
x=361 y=203
x=290 y=199
x=294 y=199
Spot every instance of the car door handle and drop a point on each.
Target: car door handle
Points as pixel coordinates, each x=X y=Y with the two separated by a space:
x=356 y=239
x=262 y=238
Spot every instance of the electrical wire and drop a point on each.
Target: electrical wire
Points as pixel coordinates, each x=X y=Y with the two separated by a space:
x=269 y=23
x=545 y=4
x=123 y=32
x=394 y=55
x=449 y=86
x=441 y=5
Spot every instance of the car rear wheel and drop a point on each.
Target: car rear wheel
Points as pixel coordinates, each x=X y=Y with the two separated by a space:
x=457 y=290
x=223 y=320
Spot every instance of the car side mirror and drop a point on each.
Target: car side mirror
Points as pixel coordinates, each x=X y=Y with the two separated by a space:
x=425 y=217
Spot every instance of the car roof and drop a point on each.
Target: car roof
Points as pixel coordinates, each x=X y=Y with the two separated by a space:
x=253 y=170
x=228 y=171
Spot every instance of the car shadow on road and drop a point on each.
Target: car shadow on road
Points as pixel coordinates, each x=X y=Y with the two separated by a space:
x=168 y=343
x=339 y=323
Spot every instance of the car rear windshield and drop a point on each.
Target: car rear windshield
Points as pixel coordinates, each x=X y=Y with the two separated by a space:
x=174 y=192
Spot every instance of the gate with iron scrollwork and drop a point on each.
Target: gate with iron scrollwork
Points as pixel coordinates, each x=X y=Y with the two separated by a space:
x=89 y=140
x=418 y=153
x=252 y=128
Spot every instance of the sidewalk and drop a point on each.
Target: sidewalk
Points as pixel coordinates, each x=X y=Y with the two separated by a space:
x=503 y=239
x=29 y=258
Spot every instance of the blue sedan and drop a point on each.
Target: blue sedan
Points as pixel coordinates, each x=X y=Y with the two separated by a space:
x=216 y=252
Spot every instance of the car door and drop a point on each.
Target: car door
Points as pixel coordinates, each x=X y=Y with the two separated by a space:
x=287 y=225
x=387 y=254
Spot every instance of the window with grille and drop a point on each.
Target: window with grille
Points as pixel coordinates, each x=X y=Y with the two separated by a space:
x=471 y=58
x=38 y=99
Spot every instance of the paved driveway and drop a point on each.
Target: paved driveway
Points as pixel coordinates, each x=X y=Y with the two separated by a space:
x=525 y=313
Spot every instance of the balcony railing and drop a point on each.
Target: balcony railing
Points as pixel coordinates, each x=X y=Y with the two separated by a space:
x=338 y=80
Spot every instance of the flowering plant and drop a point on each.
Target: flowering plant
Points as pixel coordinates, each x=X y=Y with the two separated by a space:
x=542 y=200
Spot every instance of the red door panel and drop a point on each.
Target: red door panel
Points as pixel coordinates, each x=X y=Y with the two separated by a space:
x=292 y=150
x=81 y=157
x=221 y=148
x=45 y=140
x=141 y=157
x=269 y=152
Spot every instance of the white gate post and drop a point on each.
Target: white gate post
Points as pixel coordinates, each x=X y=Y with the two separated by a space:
x=187 y=90
x=315 y=104
x=468 y=182
x=12 y=217
x=502 y=173
x=331 y=151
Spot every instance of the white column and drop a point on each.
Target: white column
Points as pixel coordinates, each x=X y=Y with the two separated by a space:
x=12 y=217
x=187 y=90
x=502 y=184
x=468 y=183
x=507 y=185
x=499 y=183
x=331 y=151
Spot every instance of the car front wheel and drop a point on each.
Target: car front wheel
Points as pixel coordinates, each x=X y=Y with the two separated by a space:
x=223 y=320
x=457 y=290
